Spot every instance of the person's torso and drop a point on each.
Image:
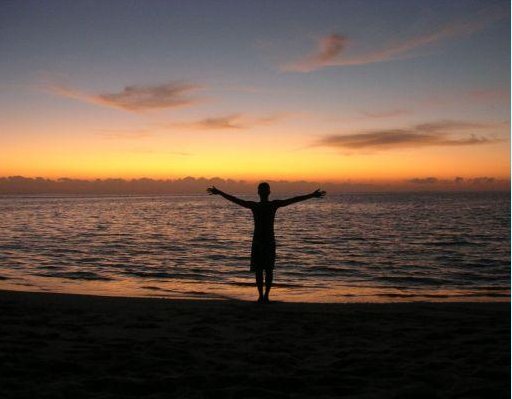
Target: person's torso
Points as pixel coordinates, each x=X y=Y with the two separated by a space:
x=264 y=214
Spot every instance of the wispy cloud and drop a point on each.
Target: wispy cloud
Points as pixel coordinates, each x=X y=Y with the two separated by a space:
x=250 y=89
x=486 y=95
x=331 y=50
x=221 y=122
x=440 y=133
x=136 y=98
x=489 y=95
x=230 y=122
x=446 y=98
x=385 y=114
x=131 y=134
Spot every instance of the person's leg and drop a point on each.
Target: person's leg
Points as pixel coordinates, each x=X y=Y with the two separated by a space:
x=259 y=283
x=269 y=276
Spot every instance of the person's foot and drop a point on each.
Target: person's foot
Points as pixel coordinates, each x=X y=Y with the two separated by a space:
x=266 y=300
x=261 y=299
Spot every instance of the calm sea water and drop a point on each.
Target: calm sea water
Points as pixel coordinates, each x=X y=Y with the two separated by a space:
x=352 y=247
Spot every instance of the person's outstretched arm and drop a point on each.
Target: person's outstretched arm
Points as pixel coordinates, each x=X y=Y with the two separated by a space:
x=315 y=194
x=215 y=191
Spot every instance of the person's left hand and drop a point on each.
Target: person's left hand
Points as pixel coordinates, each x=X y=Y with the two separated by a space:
x=319 y=193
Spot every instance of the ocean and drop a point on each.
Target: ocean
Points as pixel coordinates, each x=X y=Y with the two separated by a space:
x=382 y=247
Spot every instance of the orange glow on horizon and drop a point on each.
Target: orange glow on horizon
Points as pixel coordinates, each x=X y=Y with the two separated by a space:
x=118 y=159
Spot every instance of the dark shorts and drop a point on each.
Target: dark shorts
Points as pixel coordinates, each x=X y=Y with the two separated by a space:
x=263 y=255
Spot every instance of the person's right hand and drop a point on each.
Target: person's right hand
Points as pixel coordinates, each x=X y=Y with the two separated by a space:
x=213 y=190
x=318 y=193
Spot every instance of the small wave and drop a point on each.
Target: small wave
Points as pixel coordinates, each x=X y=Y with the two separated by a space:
x=153 y=288
x=193 y=292
x=74 y=276
x=415 y=295
x=453 y=243
x=458 y=295
x=322 y=270
x=160 y=295
x=489 y=294
x=277 y=285
x=65 y=251
x=174 y=248
x=201 y=239
x=166 y=275
x=25 y=284
x=212 y=245
x=50 y=267
x=216 y=257
x=413 y=280
x=89 y=260
x=488 y=288
x=117 y=245
x=13 y=247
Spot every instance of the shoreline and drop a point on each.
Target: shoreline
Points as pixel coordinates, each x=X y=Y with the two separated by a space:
x=246 y=292
x=67 y=345
x=440 y=299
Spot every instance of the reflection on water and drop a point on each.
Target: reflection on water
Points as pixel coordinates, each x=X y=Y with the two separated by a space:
x=353 y=247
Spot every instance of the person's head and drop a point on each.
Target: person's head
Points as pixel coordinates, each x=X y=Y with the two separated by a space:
x=264 y=190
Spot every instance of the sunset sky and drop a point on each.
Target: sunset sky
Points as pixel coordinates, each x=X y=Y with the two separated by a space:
x=314 y=90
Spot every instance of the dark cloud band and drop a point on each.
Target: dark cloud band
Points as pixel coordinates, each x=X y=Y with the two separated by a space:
x=440 y=133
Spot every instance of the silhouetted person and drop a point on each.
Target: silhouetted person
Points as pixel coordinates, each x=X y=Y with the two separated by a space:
x=263 y=252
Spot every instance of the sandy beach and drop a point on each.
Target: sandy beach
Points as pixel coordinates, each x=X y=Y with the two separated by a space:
x=72 y=346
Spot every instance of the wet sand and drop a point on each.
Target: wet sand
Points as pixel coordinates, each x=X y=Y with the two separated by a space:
x=72 y=346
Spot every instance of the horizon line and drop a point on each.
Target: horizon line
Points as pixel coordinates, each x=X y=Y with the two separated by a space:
x=270 y=179
x=21 y=185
